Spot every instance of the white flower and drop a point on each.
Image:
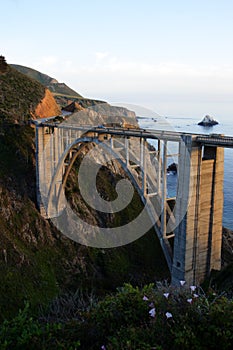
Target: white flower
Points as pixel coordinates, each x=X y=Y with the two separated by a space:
x=182 y=283
x=145 y=298
x=151 y=305
x=166 y=295
x=193 y=288
x=195 y=295
x=152 y=312
x=168 y=315
x=189 y=301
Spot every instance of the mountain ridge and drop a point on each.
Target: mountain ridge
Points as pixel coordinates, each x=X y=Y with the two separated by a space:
x=51 y=83
x=62 y=93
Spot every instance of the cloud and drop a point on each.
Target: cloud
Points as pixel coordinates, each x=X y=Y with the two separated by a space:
x=101 y=55
x=169 y=86
x=113 y=74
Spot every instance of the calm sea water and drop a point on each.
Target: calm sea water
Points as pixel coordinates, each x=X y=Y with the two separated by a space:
x=190 y=125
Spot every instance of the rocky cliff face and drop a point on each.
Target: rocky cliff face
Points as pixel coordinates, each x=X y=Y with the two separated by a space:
x=47 y=107
x=102 y=113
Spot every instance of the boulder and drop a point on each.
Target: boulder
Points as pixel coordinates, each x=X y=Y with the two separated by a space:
x=172 y=168
x=208 y=121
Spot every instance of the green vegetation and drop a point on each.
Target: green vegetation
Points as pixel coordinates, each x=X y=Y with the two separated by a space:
x=19 y=96
x=25 y=332
x=37 y=263
x=3 y=64
x=33 y=74
x=132 y=318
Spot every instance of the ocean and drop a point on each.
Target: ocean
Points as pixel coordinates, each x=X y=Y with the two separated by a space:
x=191 y=125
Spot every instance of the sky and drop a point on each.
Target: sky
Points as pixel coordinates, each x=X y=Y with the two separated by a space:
x=172 y=56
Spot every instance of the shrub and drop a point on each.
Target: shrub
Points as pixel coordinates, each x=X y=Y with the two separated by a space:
x=132 y=319
x=182 y=319
x=25 y=332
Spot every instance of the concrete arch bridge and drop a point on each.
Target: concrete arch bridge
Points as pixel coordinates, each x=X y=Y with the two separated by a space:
x=189 y=225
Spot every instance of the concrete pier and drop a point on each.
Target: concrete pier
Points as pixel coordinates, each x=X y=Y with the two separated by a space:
x=199 y=210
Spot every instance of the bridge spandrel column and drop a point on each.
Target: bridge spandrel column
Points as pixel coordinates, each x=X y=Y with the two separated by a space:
x=215 y=256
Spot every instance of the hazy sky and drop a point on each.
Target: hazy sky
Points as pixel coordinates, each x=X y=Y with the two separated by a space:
x=173 y=56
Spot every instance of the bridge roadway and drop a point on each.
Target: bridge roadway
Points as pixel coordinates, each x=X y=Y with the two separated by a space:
x=215 y=140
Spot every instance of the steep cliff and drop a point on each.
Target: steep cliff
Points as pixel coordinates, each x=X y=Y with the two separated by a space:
x=47 y=107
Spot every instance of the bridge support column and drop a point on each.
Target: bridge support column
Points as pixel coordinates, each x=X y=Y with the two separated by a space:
x=164 y=191
x=48 y=153
x=199 y=207
x=143 y=165
x=42 y=139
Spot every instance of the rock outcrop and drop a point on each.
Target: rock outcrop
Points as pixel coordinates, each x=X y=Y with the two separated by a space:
x=208 y=121
x=172 y=168
x=72 y=107
x=101 y=114
x=47 y=107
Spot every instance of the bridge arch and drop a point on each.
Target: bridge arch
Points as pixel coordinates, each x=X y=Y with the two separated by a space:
x=83 y=143
x=78 y=146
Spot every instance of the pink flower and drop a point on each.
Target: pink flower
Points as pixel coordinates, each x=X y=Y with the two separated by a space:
x=145 y=298
x=152 y=312
x=166 y=295
x=168 y=315
x=103 y=347
x=151 y=305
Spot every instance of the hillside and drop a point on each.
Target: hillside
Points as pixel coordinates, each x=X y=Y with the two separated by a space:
x=62 y=93
x=37 y=263
x=20 y=97
x=34 y=74
x=52 y=84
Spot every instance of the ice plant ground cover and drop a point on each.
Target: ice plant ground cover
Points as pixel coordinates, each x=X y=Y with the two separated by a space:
x=153 y=317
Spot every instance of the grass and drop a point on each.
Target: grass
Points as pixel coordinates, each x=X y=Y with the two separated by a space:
x=19 y=96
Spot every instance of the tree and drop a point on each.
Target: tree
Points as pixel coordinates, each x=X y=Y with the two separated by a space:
x=3 y=64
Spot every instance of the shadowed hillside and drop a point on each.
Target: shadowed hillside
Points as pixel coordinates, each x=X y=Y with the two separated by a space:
x=37 y=263
x=20 y=96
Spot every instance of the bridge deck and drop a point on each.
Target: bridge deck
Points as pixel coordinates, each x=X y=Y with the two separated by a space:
x=215 y=140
